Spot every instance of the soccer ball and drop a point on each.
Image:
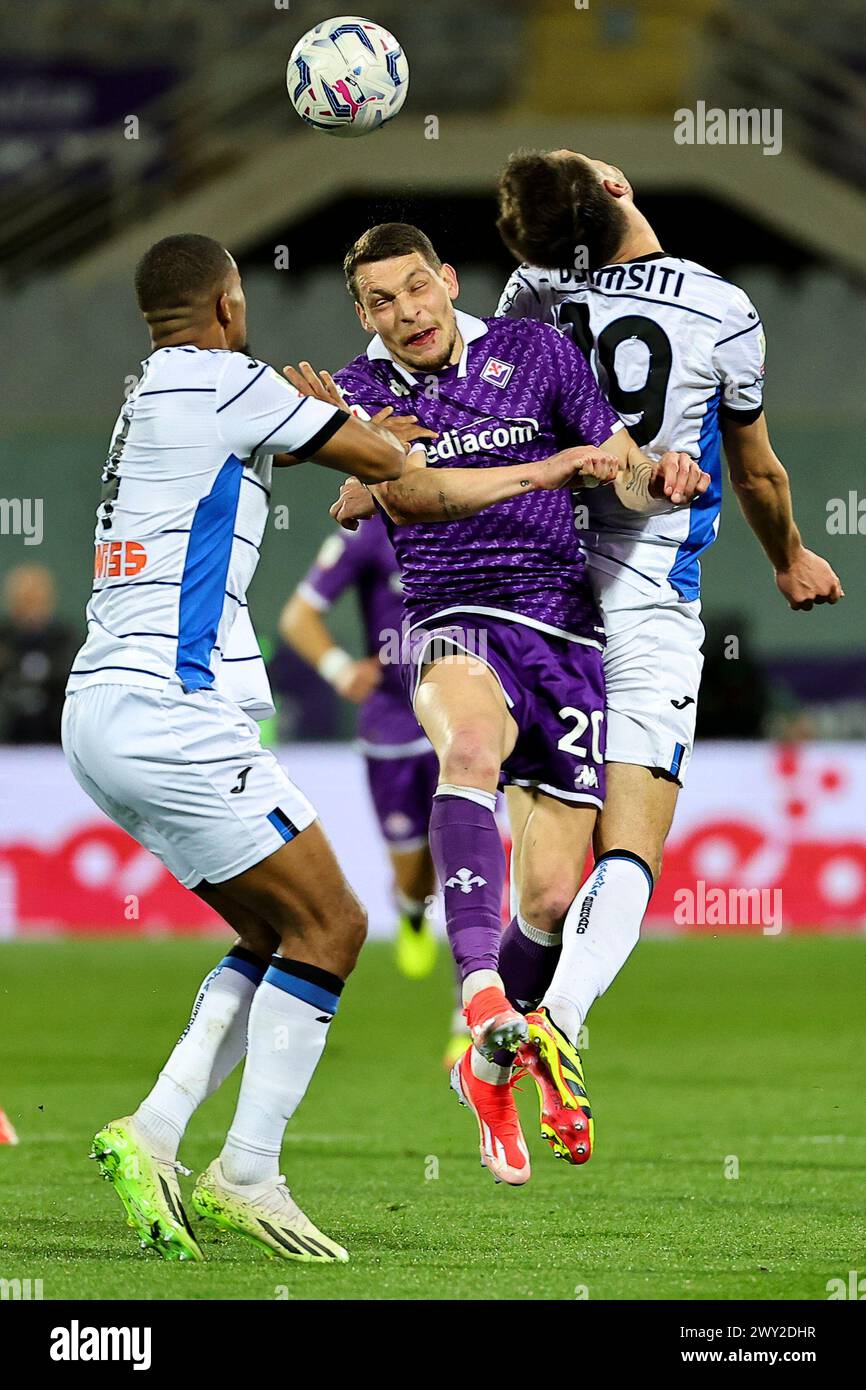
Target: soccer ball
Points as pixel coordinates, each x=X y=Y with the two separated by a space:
x=347 y=76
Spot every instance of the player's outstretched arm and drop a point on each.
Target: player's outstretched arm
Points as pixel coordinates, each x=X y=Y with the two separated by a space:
x=304 y=629
x=424 y=494
x=370 y=452
x=760 y=482
x=644 y=486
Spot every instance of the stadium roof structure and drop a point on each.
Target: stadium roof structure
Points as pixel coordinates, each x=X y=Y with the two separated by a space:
x=286 y=179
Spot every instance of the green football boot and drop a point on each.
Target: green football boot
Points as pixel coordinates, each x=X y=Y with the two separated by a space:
x=148 y=1188
x=415 y=948
x=266 y=1213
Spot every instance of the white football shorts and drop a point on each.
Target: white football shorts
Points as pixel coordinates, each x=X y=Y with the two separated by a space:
x=652 y=666
x=185 y=775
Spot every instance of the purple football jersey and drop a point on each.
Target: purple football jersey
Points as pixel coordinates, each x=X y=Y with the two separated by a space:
x=364 y=560
x=521 y=391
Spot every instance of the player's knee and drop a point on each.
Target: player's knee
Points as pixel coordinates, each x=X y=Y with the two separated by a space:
x=651 y=854
x=546 y=904
x=469 y=758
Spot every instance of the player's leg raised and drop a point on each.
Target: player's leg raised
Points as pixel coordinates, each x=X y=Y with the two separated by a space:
x=462 y=709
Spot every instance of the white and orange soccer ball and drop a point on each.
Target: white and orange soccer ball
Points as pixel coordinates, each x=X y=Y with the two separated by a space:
x=347 y=76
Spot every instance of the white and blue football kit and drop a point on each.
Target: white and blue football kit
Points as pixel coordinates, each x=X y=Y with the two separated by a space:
x=158 y=724
x=674 y=347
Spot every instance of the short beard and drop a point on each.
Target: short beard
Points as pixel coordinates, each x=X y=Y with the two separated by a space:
x=440 y=363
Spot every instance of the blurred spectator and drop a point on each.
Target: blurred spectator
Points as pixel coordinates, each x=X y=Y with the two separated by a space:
x=734 y=696
x=36 y=651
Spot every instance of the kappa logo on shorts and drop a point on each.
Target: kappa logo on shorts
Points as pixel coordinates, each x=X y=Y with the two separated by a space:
x=586 y=777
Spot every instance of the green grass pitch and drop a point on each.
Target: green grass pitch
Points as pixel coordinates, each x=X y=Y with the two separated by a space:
x=708 y=1057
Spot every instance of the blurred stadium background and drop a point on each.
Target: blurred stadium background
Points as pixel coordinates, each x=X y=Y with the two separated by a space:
x=125 y=121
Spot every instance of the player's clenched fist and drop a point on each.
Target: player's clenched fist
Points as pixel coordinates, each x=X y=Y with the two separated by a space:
x=678 y=479
x=584 y=466
x=354 y=504
x=809 y=580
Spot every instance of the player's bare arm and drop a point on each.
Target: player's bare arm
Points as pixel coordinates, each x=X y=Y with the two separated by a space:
x=763 y=491
x=371 y=452
x=402 y=430
x=646 y=486
x=453 y=494
x=303 y=628
x=424 y=494
x=641 y=484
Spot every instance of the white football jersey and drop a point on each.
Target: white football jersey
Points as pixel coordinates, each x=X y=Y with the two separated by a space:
x=242 y=676
x=672 y=345
x=184 y=505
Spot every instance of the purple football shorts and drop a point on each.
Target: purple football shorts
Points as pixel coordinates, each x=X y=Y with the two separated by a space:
x=554 y=688
x=402 y=788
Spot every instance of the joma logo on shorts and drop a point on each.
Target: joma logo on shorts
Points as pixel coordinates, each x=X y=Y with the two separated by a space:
x=455 y=443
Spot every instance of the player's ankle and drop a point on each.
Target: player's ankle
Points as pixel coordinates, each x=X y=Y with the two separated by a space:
x=564 y=1016
x=479 y=981
x=161 y=1136
x=244 y=1165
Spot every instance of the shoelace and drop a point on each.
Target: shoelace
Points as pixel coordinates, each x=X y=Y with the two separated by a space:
x=174 y=1164
x=286 y=1192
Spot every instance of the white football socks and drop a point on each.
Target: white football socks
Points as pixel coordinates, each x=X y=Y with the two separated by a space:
x=601 y=930
x=212 y=1044
x=288 y=1027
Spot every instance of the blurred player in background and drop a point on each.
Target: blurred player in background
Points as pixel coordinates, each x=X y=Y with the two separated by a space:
x=679 y=353
x=504 y=652
x=163 y=748
x=401 y=765
x=402 y=769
